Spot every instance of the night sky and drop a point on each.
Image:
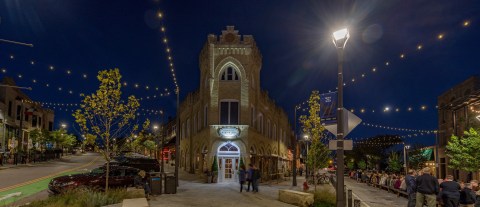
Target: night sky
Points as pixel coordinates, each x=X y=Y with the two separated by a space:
x=293 y=36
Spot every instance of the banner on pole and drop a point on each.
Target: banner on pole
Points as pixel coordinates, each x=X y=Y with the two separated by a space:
x=328 y=108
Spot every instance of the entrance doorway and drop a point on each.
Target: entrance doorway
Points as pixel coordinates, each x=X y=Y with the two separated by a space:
x=228 y=162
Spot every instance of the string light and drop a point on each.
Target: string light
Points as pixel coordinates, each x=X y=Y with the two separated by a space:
x=419 y=47
x=168 y=51
x=440 y=36
x=466 y=23
x=397 y=128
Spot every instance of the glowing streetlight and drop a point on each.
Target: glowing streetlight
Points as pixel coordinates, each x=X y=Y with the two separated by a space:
x=63 y=125
x=340 y=39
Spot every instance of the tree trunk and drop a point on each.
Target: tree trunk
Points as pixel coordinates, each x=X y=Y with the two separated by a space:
x=108 y=166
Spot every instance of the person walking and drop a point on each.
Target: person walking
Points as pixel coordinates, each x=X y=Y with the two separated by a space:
x=427 y=189
x=450 y=193
x=255 y=177
x=242 y=176
x=301 y=170
x=467 y=196
x=249 y=177
x=411 y=188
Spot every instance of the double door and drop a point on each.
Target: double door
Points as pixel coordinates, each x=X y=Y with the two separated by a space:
x=228 y=168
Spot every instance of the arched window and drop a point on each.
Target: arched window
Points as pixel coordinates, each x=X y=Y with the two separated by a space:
x=229 y=74
x=228 y=148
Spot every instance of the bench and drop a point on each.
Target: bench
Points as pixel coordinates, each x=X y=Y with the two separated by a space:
x=136 y=192
x=135 y=202
x=295 y=197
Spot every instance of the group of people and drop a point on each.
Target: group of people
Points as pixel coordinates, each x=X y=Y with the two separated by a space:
x=423 y=188
x=376 y=178
x=251 y=176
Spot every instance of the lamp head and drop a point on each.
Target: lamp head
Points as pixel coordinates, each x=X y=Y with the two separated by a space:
x=340 y=38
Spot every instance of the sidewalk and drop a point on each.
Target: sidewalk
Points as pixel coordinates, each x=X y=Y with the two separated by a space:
x=32 y=164
x=193 y=191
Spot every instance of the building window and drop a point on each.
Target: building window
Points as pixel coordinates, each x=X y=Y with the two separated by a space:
x=229 y=112
x=274 y=132
x=205 y=116
x=50 y=126
x=19 y=111
x=260 y=123
x=183 y=130
x=229 y=74
x=10 y=109
x=252 y=116
x=268 y=130
x=199 y=121
x=40 y=122
x=188 y=128
x=194 y=124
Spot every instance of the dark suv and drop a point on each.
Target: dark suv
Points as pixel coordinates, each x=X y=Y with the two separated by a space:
x=146 y=164
x=120 y=176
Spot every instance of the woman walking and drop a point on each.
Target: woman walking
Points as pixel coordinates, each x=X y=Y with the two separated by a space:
x=242 y=177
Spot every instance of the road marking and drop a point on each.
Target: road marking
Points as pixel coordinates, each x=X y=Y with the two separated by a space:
x=10 y=195
x=47 y=176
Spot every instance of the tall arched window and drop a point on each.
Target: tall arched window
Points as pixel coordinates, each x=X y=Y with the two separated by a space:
x=229 y=74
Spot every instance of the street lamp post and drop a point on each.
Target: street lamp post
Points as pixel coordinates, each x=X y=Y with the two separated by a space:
x=177 y=136
x=162 y=133
x=294 y=163
x=155 y=128
x=405 y=165
x=340 y=39
x=305 y=138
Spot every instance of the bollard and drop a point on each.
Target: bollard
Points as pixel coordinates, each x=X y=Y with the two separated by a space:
x=356 y=203
x=350 y=198
x=345 y=193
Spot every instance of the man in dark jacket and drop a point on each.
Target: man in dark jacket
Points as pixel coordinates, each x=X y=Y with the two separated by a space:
x=427 y=189
x=476 y=189
x=411 y=187
x=450 y=192
x=467 y=196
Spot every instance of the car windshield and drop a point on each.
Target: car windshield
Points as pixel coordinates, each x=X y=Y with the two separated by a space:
x=98 y=171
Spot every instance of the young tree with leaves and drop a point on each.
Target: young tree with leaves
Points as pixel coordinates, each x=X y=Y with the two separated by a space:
x=318 y=154
x=105 y=115
x=394 y=163
x=464 y=153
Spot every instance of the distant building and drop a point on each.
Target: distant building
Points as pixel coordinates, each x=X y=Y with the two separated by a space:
x=459 y=109
x=229 y=118
x=16 y=110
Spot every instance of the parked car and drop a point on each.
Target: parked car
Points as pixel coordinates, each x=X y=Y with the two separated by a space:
x=120 y=176
x=142 y=163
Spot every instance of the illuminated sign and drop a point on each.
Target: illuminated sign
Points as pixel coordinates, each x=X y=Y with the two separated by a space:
x=229 y=132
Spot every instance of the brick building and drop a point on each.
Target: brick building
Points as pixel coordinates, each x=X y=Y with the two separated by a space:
x=15 y=106
x=230 y=118
x=459 y=108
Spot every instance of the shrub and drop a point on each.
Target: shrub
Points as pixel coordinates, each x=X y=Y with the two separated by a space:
x=324 y=198
x=85 y=198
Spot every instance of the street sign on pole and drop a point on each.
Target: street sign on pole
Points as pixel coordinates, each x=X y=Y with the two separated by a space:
x=334 y=145
x=351 y=122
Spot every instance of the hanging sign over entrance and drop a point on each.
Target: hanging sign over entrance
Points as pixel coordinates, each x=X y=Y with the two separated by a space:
x=229 y=132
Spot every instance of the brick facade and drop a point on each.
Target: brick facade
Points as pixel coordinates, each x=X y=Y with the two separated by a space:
x=264 y=130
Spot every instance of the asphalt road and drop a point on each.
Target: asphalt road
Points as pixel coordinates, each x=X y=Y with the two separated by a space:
x=32 y=180
x=21 y=174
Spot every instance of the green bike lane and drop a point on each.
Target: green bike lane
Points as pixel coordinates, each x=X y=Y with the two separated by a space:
x=32 y=180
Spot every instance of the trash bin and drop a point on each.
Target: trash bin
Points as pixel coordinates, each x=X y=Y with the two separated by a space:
x=155 y=183
x=170 y=184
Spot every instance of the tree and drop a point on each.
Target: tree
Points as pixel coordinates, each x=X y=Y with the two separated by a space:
x=105 y=115
x=318 y=154
x=362 y=164
x=464 y=153
x=394 y=163
x=416 y=158
x=351 y=164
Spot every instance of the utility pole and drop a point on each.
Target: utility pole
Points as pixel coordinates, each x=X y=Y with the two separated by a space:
x=177 y=136
x=294 y=164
